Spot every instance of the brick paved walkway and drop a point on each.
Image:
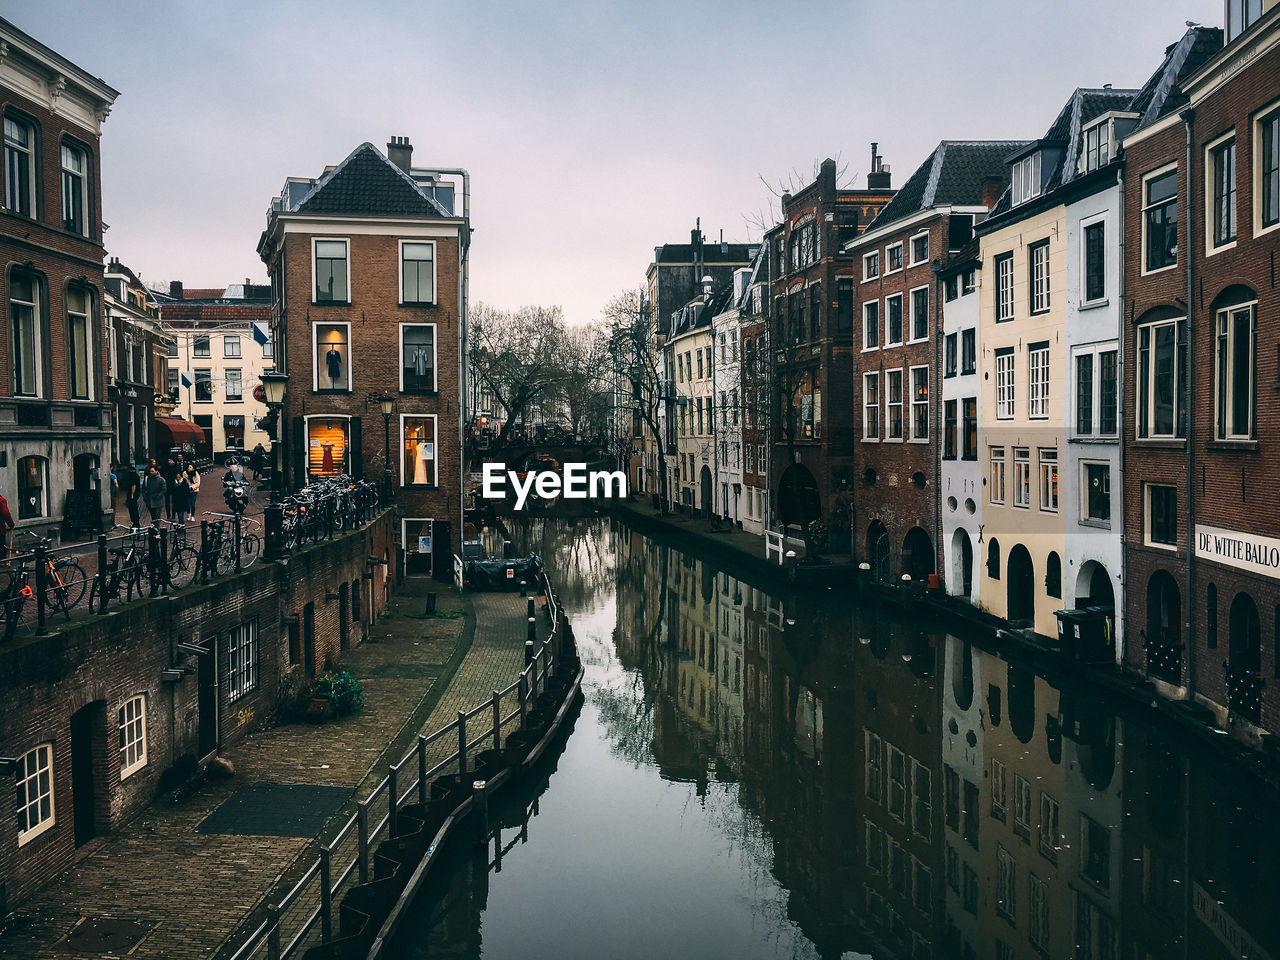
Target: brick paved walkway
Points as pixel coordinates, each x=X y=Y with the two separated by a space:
x=196 y=888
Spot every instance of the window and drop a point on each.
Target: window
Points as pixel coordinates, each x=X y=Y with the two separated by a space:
x=968 y=351
x=1004 y=383
x=996 y=479
x=1268 y=152
x=79 y=344
x=1097 y=146
x=1022 y=808
x=28 y=339
x=893 y=257
x=1162 y=393
x=1221 y=193
x=1233 y=374
x=203 y=385
x=419 y=451
x=333 y=359
x=919 y=403
x=1162 y=515
x=418 y=358
x=242 y=660
x=893 y=326
x=1039 y=264
x=1048 y=480
x=1004 y=287
x=733 y=401
x=33 y=501
x=132 y=721
x=1006 y=884
x=922 y=799
x=970 y=895
x=200 y=346
x=844 y=310
x=871 y=325
x=871 y=406
x=949 y=425
x=19 y=166
x=897 y=804
x=1241 y=15
x=1095 y=852
x=331 y=271
x=1038 y=901
x=1022 y=477
x=1096 y=392
x=35 y=793
x=919 y=248
x=804 y=249
x=874 y=768
x=75 y=189
x=999 y=788
x=815 y=315
x=893 y=404
x=230 y=346
x=1160 y=219
x=171 y=381
x=1095 y=262
x=969 y=412
x=1026 y=179
x=920 y=313
x=235 y=386
x=417 y=272
x=971 y=814
x=1096 y=505
x=1048 y=836
x=699 y=364
x=1038 y=380
x=951 y=344
x=993 y=559
x=871 y=265
x=268 y=350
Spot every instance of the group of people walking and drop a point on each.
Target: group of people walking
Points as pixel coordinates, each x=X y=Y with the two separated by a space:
x=167 y=490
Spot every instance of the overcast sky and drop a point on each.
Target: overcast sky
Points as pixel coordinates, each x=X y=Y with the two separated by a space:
x=592 y=131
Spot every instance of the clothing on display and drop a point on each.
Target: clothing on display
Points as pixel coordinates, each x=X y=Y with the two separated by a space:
x=334 y=361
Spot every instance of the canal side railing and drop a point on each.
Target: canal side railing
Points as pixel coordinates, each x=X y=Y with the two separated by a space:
x=305 y=915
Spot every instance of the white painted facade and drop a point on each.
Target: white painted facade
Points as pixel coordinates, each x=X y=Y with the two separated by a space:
x=962 y=479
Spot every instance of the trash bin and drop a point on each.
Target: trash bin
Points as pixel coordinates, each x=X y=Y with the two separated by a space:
x=1086 y=634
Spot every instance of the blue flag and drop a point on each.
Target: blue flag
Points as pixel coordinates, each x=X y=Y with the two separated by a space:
x=260 y=335
x=186 y=381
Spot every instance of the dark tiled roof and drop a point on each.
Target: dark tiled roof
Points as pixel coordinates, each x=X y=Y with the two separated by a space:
x=952 y=174
x=967 y=254
x=1160 y=95
x=712 y=252
x=366 y=183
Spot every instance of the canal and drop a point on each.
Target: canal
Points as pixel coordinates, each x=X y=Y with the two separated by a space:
x=754 y=774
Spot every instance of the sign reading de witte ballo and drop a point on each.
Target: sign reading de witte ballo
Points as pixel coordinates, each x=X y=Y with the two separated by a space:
x=1245 y=551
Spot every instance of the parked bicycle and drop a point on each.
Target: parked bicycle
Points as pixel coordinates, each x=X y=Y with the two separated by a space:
x=65 y=579
x=130 y=569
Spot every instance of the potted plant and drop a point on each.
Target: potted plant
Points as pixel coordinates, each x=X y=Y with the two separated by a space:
x=321 y=707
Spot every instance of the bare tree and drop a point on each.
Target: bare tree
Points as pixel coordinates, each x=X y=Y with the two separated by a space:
x=518 y=355
x=585 y=384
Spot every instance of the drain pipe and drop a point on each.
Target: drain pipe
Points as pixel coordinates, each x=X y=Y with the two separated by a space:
x=1185 y=243
x=1120 y=616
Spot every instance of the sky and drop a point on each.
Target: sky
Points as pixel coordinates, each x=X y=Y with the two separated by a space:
x=593 y=132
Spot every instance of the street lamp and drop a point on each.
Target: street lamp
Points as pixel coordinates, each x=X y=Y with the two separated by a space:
x=387 y=404
x=273 y=389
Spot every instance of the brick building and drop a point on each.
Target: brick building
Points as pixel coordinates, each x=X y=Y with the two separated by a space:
x=1202 y=214
x=753 y=331
x=899 y=362
x=811 y=346
x=55 y=414
x=137 y=363
x=368 y=277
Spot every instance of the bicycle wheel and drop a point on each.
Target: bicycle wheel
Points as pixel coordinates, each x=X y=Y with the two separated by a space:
x=183 y=566
x=250 y=549
x=66 y=585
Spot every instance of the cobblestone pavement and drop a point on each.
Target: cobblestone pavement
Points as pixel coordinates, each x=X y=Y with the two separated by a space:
x=417 y=672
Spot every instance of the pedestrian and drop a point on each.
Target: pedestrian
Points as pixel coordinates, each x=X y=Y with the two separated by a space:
x=167 y=474
x=180 y=494
x=131 y=484
x=6 y=524
x=155 y=491
x=193 y=484
x=258 y=458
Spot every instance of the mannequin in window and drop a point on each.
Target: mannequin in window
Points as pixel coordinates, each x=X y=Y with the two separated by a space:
x=326 y=462
x=333 y=359
x=419 y=361
x=421 y=458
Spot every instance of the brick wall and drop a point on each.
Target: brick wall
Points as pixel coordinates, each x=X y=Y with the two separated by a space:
x=99 y=663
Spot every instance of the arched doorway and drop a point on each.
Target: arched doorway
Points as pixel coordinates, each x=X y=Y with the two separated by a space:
x=84 y=472
x=1022 y=701
x=1164 y=627
x=798 y=500
x=961 y=564
x=918 y=559
x=878 y=550
x=1093 y=586
x=1245 y=644
x=1021 y=610
x=706 y=501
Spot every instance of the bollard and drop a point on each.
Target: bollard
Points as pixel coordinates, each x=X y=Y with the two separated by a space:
x=532 y=634
x=480 y=801
x=497 y=721
x=522 y=694
x=528 y=652
x=273 y=525
x=431 y=604
x=273 y=932
x=529 y=613
x=102 y=573
x=42 y=584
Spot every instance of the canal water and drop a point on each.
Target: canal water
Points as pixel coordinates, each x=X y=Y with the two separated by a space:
x=762 y=775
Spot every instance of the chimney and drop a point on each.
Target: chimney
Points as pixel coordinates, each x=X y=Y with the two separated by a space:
x=992 y=187
x=400 y=152
x=879 y=178
x=175 y=289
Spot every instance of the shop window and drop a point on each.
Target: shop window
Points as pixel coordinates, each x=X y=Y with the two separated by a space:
x=33 y=476
x=419 y=451
x=418 y=353
x=327 y=446
x=333 y=357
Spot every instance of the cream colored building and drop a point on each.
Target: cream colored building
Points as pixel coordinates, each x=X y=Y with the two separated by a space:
x=690 y=351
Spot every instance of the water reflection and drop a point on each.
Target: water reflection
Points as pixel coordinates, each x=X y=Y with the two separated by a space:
x=762 y=775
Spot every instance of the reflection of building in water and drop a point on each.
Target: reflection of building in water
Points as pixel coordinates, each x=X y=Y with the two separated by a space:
x=964 y=716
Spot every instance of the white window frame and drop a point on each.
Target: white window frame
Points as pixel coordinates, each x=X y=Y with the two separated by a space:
x=1085 y=516
x=1146 y=207
x=870 y=325
x=88 y=319
x=1210 y=148
x=870 y=409
x=996 y=477
x=1003 y=267
x=86 y=228
x=1085 y=225
x=887 y=260
x=1096 y=351
x=131 y=722
x=226 y=384
x=346 y=243
x=29 y=153
x=1151 y=372
x=37 y=333
x=1050 y=481
x=242 y=660
x=435 y=289
x=902 y=320
x=889 y=405
x=1038 y=388
x=33 y=766
x=910 y=332
x=227 y=340
x=1092 y=154
x=315 y=355
x=435 y=460
x=1267 y=114
x=1223 y=393
x=1022 y=478
x=1146 y=516
x=1006 y=384
x=871 y=260
x=1026 y=179
x=1041 y=266
x=915 y=404
x=435 y=357
x=911 y=245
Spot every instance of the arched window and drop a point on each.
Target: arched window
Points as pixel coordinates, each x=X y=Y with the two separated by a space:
x=1053 y=576
x=993 y=559
x=33 y=483
x=76 y=207
x=20 y=145
x=1234 y=363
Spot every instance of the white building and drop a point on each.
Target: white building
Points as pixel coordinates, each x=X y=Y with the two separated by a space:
x=727 y=388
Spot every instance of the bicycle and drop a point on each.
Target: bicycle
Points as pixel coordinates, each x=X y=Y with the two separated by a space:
x=183 y=560
x=14 y=596
x=127 y=569
x=249 y=545
x=65 y=579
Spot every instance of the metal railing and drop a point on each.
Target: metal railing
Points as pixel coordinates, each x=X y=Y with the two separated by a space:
x=291 y=921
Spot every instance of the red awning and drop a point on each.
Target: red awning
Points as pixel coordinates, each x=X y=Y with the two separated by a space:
x=174 y=430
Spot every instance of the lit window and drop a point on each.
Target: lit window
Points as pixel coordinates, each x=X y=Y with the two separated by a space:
x=327 y=446
x=333 y=358
x=19 y=166
x=418 y=358
x=242 y=660
x=331 y=271
x=1004 y=287
x=919 y=403
x=419 y=451
x=35 y=793
x=1049 y=480
x=75 y=189
x=132 y=721
x=1160 y=220
x=417 y=272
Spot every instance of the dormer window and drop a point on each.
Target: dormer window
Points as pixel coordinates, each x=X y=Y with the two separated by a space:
x=1097 y=146
x=1026 y=178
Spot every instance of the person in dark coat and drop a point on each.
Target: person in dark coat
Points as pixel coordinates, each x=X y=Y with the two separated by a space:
x=131 y=484
x=155 y=492
x=167 y=473
x=256 y=459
